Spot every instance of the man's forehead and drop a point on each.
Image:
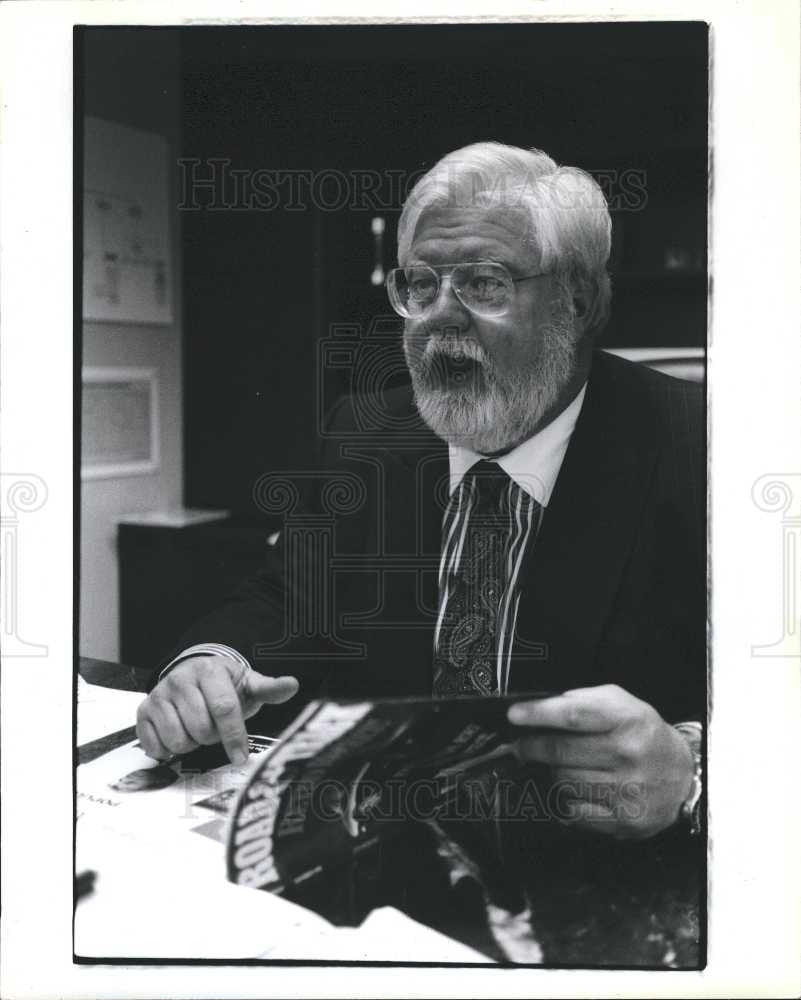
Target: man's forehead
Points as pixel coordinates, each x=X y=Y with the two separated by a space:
x=472 y=232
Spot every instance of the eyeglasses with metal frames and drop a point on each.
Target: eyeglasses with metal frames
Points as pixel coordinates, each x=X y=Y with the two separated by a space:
x=486 y=288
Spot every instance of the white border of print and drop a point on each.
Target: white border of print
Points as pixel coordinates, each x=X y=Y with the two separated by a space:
x=755 y=415
x=110 y=470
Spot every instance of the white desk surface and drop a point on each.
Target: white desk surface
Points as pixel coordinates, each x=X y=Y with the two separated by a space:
x=161 y=889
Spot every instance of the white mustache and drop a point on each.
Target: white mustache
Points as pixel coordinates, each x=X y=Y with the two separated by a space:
x=458 y=350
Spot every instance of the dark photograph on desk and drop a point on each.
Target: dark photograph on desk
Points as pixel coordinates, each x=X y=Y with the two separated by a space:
x=393 y=490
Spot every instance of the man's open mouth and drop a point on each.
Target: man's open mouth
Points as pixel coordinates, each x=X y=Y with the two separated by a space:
x=454 y=372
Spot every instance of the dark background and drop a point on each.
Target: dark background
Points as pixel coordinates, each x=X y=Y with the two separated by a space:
x=262 y=287
x=264 y=290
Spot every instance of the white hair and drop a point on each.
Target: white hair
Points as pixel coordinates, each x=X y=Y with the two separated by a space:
x=571 y=231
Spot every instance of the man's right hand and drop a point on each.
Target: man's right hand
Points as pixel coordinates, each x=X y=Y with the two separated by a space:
x=206 y=699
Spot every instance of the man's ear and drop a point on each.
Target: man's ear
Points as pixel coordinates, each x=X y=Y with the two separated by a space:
x=581 y=301
x=586 y=304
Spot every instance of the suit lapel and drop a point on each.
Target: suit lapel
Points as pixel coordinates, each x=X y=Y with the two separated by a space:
x=424 y=499
x=572 y=573
x=414 y=486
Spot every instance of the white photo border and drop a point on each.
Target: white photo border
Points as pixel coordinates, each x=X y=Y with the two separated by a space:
x=754 y=422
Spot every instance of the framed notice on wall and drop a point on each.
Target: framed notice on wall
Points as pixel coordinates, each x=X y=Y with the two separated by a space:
x=127 y=267
x=119 y=422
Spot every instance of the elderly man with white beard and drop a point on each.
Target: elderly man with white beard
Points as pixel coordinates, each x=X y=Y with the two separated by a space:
x=589 y=472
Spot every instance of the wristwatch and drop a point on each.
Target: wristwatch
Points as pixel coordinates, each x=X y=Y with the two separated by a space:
x=690 y=811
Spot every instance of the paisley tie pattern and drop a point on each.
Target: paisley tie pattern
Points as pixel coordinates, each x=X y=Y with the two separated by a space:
x=485 y=532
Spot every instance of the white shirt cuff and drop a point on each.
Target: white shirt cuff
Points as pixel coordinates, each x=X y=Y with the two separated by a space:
x=205 y=649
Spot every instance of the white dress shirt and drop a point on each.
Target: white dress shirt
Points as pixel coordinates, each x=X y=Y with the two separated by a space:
x=534 y=464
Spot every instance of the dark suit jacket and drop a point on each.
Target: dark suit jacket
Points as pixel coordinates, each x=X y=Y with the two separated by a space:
x=613 y=592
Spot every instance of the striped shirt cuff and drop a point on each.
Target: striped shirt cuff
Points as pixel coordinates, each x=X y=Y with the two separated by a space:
x=205 y=649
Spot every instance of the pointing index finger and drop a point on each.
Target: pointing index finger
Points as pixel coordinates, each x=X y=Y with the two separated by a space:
x=224 y=707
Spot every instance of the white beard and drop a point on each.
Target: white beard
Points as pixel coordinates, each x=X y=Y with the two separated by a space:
x=485 y=411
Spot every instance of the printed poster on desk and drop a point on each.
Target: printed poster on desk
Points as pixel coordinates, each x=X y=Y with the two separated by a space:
x=345 y=775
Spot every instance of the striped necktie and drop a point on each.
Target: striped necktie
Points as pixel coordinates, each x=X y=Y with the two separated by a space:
x=488 y=523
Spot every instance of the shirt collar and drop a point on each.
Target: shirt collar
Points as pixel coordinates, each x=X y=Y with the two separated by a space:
x=535 y=463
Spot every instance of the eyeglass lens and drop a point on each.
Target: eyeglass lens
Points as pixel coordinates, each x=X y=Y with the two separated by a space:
x=483 y=287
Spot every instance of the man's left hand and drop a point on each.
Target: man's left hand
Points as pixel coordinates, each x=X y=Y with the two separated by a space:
x=621 y=769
